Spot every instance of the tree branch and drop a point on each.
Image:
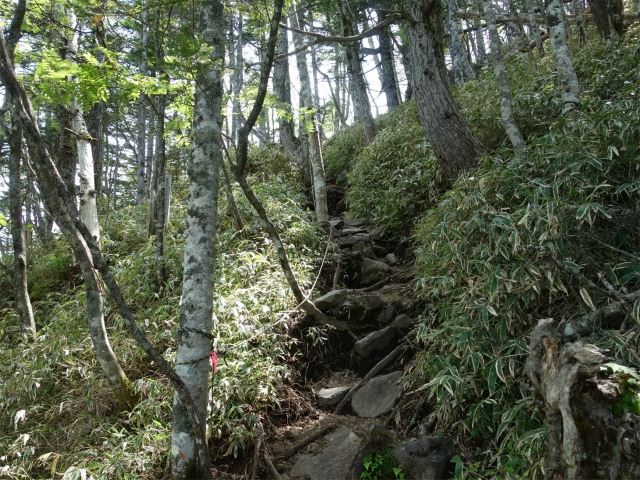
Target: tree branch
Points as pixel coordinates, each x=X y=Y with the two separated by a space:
x=354 y=38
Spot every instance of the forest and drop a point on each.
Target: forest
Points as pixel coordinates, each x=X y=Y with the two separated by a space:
x=323 y=240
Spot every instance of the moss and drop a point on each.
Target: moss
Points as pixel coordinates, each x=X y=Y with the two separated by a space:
x=629 y=401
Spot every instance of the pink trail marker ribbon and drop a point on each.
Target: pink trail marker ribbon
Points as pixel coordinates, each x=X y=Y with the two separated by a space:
x=214 y=361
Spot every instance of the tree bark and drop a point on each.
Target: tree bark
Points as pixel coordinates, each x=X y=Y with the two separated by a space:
x=451 y=138
x=506 y=104
x=358 y=83
x=608 y=16
x=479 y=31
x=387 y=64
x=196 y=311
x=315 y=147
x=562 y=59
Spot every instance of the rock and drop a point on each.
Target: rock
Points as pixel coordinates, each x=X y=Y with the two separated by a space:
x=377 y=438
x=331 y=396
x=351 y=240
x=373 y=271
x=336 y=223
x=369 y=301
x=377 y=396
x=391 y=259
x=353 y=223
x=376 y=234
x=378 y=250
x=404 y=322
x=330 y=299
x=341 y=207
x=353 y=231
x=333 y=462
x=364 y=250
x=334 y=232
x=375 y=341
x=387 y=314
x=427 y=458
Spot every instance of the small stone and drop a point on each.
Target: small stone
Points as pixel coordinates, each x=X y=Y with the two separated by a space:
x=404 y=322
x=391 y=259
x=375 y=341
x=330 y=299
x=377 y=396
x=427 y=458
x=387 y=314
x=373 y=271
x=353 y=223
x=376 y=234
x=331 y=396
x=378 y=250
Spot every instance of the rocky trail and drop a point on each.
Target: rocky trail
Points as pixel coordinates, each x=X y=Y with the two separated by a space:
x=353 y=393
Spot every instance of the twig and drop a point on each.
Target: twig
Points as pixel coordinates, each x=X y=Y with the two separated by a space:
x=374 y=371
x=303 y=443
x=395 y=410
x=269 y=463
x=614 y=249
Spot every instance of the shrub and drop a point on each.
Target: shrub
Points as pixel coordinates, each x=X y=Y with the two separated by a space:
x=396 y=177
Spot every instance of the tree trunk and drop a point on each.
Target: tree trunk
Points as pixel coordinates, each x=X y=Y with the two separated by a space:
x=387 y=65
x=315 y=147
x=591 y=432
x=196 y=311
x=562 y=59
x=451 y=138
x=161 y=191
x=461 y=67
x=479 y=30
x=506 y=104
x=150 y=164
x=358 y=83
x=86 y=172
x=140 y=170
x=576 y=7
x=282 y=87
x=21 y=292
x=608 y=17
x=236 y=82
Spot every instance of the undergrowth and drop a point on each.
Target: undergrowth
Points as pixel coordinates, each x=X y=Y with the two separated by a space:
x=57 y=416
x=486 y=269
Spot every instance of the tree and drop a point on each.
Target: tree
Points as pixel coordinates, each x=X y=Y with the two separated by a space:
x=448 y=132
x=196 y=312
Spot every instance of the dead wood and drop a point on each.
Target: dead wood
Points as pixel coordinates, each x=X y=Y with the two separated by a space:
x=590 y=434
x=272 y=468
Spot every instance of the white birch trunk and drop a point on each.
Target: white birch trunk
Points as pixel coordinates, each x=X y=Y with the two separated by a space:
x=506 y=104
x=562 y=59
x=196 y=312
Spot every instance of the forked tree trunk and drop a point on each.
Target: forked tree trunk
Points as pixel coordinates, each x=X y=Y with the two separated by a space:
x=591 y=433
x=448 y=132
x=282 y=87
x=562 y=59
x=387 y=64
x=196 y=311
x=506 y=104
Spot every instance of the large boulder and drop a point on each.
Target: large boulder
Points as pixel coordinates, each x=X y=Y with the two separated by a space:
x=377 y=396
x=333 y=462
x=375 y=341
x=364 y=250
x=330 y=299
x=351 y=240
x=427 y=458
x=369 y=301
x=373 y=271
x=352 y=222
